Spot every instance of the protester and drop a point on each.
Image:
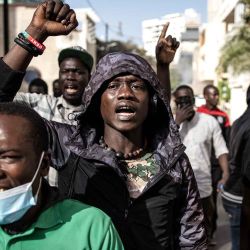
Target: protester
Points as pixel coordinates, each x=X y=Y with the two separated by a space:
x=125 y=156
x=33 y=215
x=75 y=65
x=199 y=133
x=38 y=86
x=211 y=95
x=237 y=186
x=239 y=162
x=57 y=90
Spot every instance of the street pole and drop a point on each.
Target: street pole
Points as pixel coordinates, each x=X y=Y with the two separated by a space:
x=106 y=32
x=6 y=26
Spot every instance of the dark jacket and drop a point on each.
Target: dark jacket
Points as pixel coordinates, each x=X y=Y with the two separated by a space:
x=168 y=214
x=239 y=157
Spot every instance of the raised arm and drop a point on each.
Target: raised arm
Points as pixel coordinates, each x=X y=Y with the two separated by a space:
x=165 y=53
x=51 y=18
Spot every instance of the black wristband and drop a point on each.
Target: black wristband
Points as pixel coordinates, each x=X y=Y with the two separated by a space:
x=27 y=46
x=32 y=46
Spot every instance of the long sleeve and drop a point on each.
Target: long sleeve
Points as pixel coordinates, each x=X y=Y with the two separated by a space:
x=10 y=83
x=190 y=218
x=58 y=137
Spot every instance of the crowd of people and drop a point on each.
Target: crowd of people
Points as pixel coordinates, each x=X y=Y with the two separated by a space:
x=103 y=163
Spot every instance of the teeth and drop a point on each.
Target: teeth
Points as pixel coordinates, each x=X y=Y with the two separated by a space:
x=125 y=109
x=2 y=189
x=71 y=91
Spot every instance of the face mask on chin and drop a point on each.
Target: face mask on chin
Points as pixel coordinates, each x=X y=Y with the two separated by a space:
x=15 y=202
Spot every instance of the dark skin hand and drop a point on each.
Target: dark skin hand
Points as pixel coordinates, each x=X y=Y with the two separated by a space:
x=183 y=113
x=51 y=18
x=223 y=161
x=165 y=52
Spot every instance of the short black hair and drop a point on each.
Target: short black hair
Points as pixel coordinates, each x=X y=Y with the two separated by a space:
x=55 y=81
x=183 y=87
x=39 y=83
x=209 y=86
x=38 y=131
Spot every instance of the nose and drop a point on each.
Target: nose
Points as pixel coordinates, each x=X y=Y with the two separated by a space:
x=70 y=75
x=125 y=92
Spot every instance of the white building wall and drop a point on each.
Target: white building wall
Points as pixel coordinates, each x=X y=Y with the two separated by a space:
x=224 y=16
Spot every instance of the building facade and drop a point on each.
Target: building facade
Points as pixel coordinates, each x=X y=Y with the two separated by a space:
x=224 y=18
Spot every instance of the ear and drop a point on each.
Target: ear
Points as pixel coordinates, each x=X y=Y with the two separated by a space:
x=45 y=164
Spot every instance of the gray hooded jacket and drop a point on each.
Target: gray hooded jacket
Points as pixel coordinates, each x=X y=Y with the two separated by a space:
x=168 y=213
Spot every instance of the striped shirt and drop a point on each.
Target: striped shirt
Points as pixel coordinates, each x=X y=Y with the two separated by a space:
x=51 y=108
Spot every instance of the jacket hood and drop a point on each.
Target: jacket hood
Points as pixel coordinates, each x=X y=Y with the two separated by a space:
x=165 y=133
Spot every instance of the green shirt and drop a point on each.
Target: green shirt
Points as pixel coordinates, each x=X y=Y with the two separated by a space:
x=67 y=225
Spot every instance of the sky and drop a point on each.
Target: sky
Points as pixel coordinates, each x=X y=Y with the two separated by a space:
x=131 y=13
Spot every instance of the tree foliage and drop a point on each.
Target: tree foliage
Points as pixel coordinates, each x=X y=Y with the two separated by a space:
x=114 y=46
x=236 y=51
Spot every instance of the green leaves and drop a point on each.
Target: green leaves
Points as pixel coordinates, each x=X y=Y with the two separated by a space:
x=236 y=52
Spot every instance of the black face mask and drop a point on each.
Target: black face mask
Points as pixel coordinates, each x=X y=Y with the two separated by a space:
x=184 y=101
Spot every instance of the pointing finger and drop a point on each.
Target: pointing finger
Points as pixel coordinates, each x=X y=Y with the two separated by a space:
x=164 y=31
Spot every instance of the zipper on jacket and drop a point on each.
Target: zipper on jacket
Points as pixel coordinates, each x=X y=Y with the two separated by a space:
x=126 y=211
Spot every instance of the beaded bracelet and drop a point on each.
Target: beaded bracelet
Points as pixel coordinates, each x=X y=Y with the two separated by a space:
x=32 y=40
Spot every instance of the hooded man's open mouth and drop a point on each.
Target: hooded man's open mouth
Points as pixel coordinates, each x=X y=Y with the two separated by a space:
x=125 y=112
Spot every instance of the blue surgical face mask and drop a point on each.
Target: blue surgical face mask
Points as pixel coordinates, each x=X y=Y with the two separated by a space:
x=15 y=202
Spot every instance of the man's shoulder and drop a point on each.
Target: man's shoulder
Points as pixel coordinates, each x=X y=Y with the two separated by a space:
x=33 y=98
x=214 y=112
x=204 y=116
x=69 y=207
x=207 y=120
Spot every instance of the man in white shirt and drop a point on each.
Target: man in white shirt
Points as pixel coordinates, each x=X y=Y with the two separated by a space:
x=199 y=133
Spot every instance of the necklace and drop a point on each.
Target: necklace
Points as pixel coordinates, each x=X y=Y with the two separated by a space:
x=120 y=155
